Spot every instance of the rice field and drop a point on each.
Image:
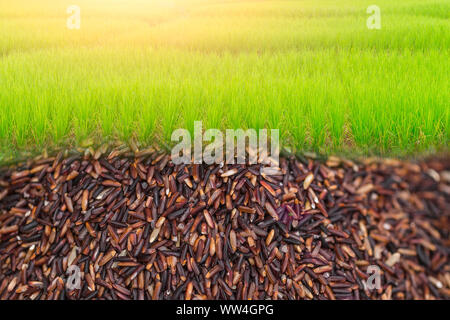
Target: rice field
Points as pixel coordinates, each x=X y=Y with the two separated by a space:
x=140 y=69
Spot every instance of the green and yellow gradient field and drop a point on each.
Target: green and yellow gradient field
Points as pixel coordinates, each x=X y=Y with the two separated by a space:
x=310 y=68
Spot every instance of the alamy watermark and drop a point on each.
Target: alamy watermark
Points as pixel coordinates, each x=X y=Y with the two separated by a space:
x=73 y=22
x=74 y=278
x=235 y=146
x=74 y=19
x=374 y=20
x=374 y=280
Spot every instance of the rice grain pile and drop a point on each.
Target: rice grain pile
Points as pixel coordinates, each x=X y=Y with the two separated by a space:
x=138 y=227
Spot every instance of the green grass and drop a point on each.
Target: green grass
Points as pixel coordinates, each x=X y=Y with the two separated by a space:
x=309 y=68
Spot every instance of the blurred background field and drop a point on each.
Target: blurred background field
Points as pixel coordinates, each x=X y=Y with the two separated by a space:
x=311 y=68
